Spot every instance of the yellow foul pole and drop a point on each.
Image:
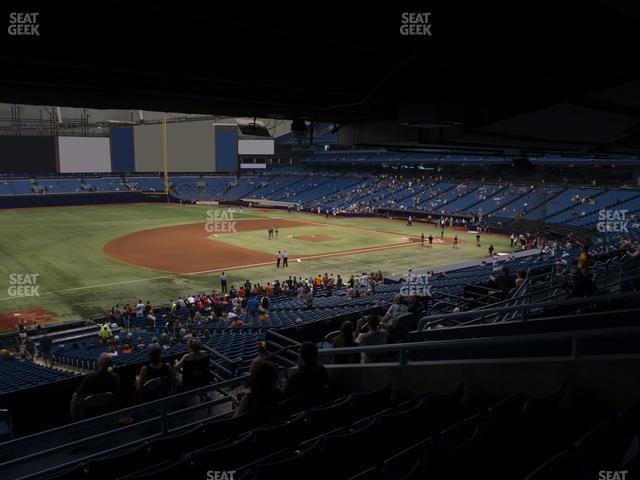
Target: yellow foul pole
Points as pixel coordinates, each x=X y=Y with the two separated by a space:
x=165 y=160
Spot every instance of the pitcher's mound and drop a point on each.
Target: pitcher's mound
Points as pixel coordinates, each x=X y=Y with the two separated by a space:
x=316 y=238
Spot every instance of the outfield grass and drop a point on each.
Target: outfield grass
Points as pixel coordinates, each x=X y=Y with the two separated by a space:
x=64 y=246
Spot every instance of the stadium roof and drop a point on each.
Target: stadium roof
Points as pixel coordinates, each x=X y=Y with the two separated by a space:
x=556 y=75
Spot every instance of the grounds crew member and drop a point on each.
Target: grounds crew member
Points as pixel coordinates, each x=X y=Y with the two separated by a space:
x=105 y=333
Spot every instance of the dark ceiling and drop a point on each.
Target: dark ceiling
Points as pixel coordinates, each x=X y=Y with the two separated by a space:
x=538 y=75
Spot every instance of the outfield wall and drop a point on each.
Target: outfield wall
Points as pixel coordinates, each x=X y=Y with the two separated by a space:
x=72 y=199
x=198 y=147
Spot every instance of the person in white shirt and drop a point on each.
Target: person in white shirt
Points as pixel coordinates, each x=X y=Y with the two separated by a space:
x=139 y=310
x=374 y=336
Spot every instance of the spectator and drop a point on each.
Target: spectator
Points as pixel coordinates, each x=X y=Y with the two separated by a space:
x=505 y=282
x=584 y=260
x=308 y=298
x=310 y=380
x=374 y=336
x=116 y=314
x=139 y=311
x=155 y=368
x=252 y=309
x=101 y=381
x=520 y=277
x=29 y=349
x=262 y=353
x=263 y=390
x=151 y=320
x=45 y=344
x=415 y=304
x=195 y=353
x=234 y=321
x=345 y=340
x=395 y=310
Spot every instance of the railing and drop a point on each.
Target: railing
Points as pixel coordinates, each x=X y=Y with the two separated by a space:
x=229 y=372
x=489 y=314
x=157 y=413
x=614 y=272
x=520 y=295
x=403 y=349
x=283 y=345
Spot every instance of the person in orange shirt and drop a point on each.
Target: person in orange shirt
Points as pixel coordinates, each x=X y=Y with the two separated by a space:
x=269 y=289
x=241 y=292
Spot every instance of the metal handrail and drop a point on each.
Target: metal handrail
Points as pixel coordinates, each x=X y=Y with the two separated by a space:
x=163 y=404
x=233 y=363
x=293 y=345
x=529 y=306
x=404 y=348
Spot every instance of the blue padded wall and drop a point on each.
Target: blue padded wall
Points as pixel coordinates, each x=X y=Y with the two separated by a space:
x=226 y=148
x=122 y=156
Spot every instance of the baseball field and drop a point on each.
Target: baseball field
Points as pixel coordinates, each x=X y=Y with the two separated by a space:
x=68 y=263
